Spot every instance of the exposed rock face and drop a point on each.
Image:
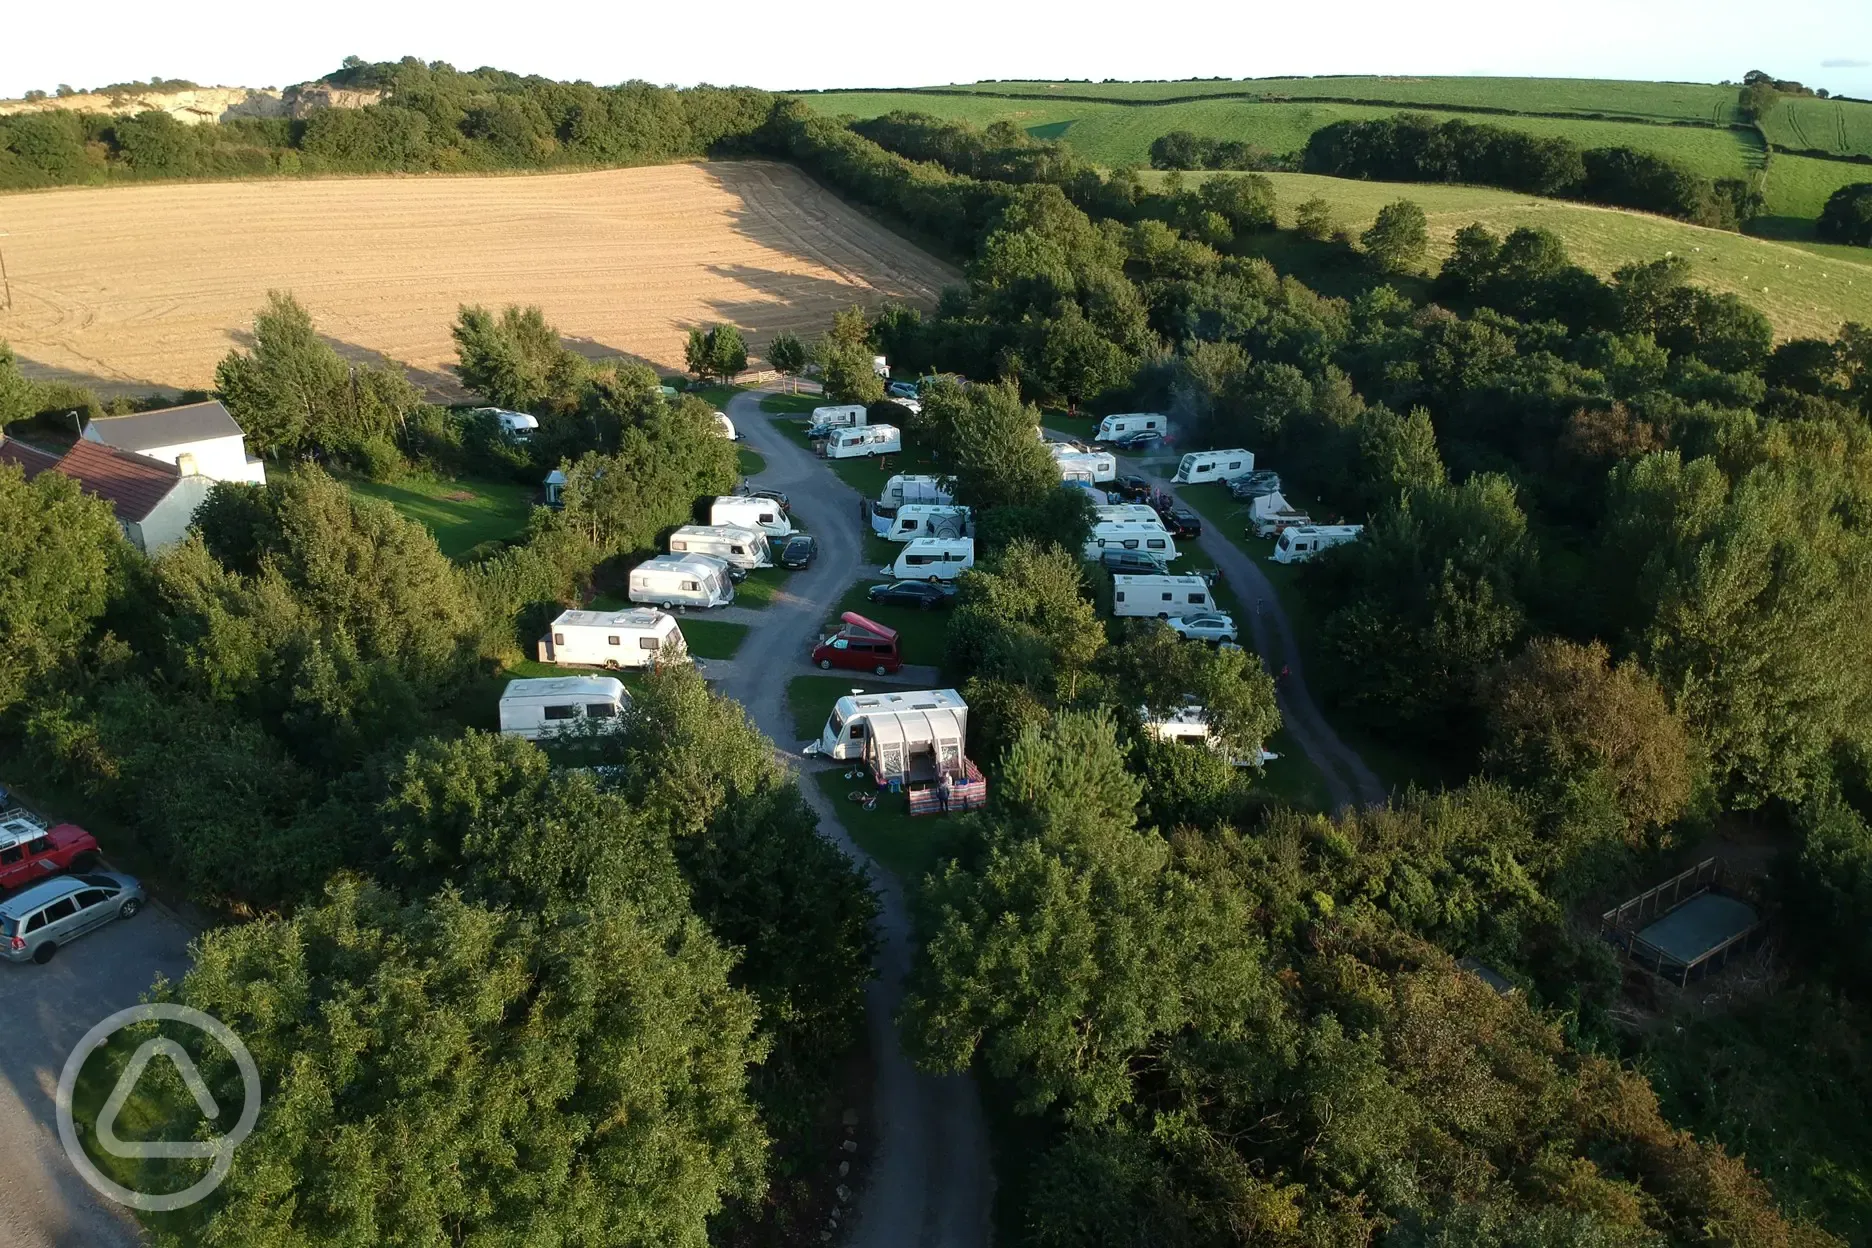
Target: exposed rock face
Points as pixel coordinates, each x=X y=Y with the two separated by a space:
x=197 y=105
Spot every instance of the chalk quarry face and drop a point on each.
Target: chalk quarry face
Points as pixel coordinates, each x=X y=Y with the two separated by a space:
x=196 y=105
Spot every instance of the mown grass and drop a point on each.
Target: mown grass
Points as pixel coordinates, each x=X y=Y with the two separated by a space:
x=908 y=848
x=713 y=639
x=462 y=514
x=1803 y=291
x=810 y=700
x=750 y=462
x=794 y=403
x=1808 y=123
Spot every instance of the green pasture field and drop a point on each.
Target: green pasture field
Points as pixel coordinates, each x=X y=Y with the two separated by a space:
x=1807 y=123
x=1798 y=186
x=462 y=514
x=1809 y=290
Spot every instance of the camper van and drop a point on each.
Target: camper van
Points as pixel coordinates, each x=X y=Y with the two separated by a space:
x=518 y=426
x=844 y=416
x=864 y=440
x=671 y=581
x=933 y=559
x=1085 y=467
x=635 y=638
x=848 y=729
x=1143 y=513
x=923 y=520
x=543 y=707
x=725 y=427
x=1270 y=514
x=1149 y=538
x=1161 y=597
x=742 y=547
x=1129 y=423
x=862 y=645
x=1200 y=466
x=750 y=511
x=1303 y=541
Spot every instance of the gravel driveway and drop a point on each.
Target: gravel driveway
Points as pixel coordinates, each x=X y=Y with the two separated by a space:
x=44 y=1012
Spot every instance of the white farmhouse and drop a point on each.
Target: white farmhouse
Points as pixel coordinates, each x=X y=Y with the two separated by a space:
x=200 y=439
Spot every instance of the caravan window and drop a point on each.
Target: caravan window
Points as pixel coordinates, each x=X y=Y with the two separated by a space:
x=1156 y=543
x=837 y=724
x=1235 y=463
x=614 y=641
x=1120 y=595
x=766 y=517
x=678 y=544
x=739 y=550
x=559 y=712
x=1166 y=597
x=917 y=561
x=649 y=643
x=558 y=639
x=1130 y=543
x=858 y=731
x=909 y=523
x=1196 y=600
x=601 y=710
x=691 y=586
x=1204 y=467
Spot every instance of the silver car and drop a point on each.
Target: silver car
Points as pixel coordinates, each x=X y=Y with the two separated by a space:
x=1212 y=627
x=35 y=922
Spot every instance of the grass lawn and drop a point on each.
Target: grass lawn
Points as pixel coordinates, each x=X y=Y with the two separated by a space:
x=750 y=462
x=716 y=396
x=462 y=514
x=1292 y=778
x=908 y=848
x=811 y=699
x=1079 y=428
x=923 y=635
x=713 y=639
x=798 y=404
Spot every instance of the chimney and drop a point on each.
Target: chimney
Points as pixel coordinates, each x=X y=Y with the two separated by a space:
x=185 y=462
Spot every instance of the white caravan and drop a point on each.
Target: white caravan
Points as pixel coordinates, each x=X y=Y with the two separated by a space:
x=518 y=426
x=1143 y=513
x=1303 y=541
x=749 y=511
x=1131 y=422
x=1189 y=725
x=1271 y=513
x=546 y=706
x=1161 y=596
x=725 y=427
x=933 y=559
x=1084 y=467
x=848 y=729
x=671 y=581
x=902 y=490
x=732 y=543
x=843 y=416
x=1152 y=539
x=634 y=638
x=1200 y=466
x=916 y=520
x=865 y=440
x=880 y=366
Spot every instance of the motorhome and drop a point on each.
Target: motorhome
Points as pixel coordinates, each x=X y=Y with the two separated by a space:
x=725 y=427
x=1189 y=725
x=1161 y=597
x=1129 y=423
x=1085 y=467
x=671 y=581
x=865 y=440
x=1143 y=513
x=1270 y=514
x=1149 y=538
x=933 y=559
x=737 y=544
x=547 y=706
x=924 y=520
x=634 y=638
x=842 y=416
x=1200 y=466
x=750 y=511
x=518 y=426
x=1303 y=541
x=848 y=729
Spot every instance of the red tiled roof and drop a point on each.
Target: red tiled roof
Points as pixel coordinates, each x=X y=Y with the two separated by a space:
x=30 y=458
x=131 y=484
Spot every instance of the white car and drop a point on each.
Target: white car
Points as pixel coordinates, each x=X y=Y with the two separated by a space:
x=1214 y=627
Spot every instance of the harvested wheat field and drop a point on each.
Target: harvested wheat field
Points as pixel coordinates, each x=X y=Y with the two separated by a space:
x=130 y=288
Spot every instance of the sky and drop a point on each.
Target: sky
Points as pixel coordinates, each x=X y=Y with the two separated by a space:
x=860 y=43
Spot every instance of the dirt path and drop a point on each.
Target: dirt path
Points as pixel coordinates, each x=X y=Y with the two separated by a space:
x=930 y=1184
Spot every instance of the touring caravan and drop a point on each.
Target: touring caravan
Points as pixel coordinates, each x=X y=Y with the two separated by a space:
x=842 y=416
x=933 y=559
x=1150 y=538
x=546 y=706
x=1271 y=513
x=725 y=427
x=749 y=511
x=881 y=366
x=1161 y=597
x=1143 y=513
x=902 y=490
x=1303 y=541
x=1200 y=466
x=1189 y=725
x=1085 y=467
x=848 y=729
x=671 y=581
x=1129 y=423
x=864 y=440
x=740 y=546
x=923 y=520
x=634 y=638
x=518 y=426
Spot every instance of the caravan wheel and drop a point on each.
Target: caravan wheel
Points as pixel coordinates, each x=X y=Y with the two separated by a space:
x=611 y=665
x=935 y=580
x=668 y=606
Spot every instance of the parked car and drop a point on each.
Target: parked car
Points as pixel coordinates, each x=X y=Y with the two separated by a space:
x=1214 y=627
x=860 y=650
x=924 y=594
x=1255 y=484
x=1131 y=562
x=799 y=552
x=902 y=390
x=29 y=850
x=1130 y=488
x=748 y=491
x=1142 y=440
x=1181 y=521
x=55 y=912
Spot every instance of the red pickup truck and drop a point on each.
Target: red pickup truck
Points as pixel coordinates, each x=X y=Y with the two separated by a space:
x=30 y=850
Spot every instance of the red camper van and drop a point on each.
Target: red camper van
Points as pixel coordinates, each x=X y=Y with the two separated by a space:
x=862 y=645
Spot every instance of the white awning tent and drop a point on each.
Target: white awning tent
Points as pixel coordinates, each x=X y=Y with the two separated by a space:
x=929 y=741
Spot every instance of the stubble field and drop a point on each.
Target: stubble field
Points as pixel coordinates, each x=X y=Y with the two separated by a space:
x=130 y=288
